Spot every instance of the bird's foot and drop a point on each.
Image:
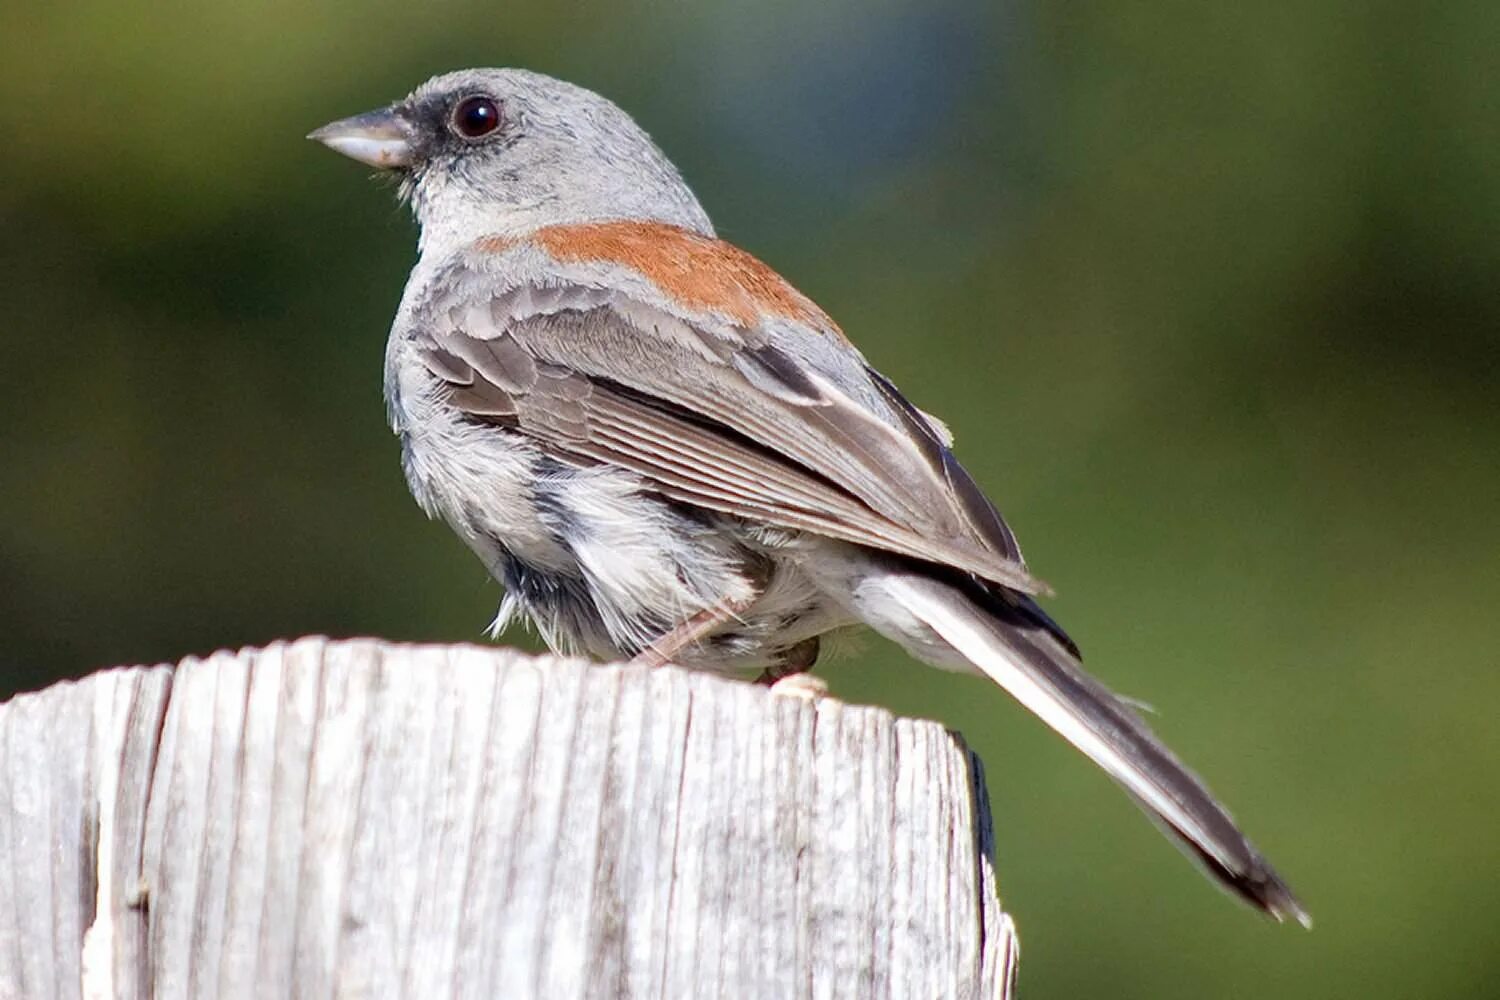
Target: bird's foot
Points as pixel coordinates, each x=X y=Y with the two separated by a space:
x=803 y=685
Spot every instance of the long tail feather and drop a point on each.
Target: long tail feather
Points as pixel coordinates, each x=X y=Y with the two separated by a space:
x=1014 y=643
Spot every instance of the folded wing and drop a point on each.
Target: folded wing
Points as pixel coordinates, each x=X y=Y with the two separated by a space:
x=744 y=428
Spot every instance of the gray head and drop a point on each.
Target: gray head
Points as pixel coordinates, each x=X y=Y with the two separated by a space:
x=504 y=151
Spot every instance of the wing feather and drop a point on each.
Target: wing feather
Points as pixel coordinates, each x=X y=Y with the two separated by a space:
x=760 y=434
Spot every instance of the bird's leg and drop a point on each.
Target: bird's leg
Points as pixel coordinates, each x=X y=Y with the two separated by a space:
x=797 y=660
x=791 y=677
x=665 y=649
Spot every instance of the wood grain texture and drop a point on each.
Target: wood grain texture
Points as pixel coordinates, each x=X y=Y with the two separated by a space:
x=357 y=819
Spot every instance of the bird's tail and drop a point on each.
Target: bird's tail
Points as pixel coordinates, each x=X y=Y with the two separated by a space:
x=1013 y=642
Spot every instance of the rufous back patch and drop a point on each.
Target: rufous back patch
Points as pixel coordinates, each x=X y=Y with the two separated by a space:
x=698 y=271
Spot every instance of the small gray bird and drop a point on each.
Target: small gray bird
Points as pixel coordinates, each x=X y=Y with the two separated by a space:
x=663 y=450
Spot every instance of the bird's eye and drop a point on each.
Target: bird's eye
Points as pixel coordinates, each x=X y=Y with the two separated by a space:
x=475 y=117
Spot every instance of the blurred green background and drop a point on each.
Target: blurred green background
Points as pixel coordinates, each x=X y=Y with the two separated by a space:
x=1202 y=290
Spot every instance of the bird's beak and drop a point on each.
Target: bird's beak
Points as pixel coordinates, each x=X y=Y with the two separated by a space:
x=380 y=138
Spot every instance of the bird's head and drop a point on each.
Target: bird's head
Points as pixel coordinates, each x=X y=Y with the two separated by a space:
x=505 y=151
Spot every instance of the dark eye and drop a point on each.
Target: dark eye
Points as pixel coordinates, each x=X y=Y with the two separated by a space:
x=475 y=117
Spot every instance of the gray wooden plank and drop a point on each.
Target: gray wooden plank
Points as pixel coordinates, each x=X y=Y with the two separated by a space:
x=358 y=819
x=41 y=761
x=129 y=708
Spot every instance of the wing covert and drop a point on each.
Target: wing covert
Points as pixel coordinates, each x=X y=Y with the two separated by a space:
x=741 y=425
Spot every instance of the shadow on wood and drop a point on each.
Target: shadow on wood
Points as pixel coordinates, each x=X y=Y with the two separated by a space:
x=361 y=819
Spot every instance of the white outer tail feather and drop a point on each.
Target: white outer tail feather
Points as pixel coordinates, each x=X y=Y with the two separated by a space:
x=964 y=628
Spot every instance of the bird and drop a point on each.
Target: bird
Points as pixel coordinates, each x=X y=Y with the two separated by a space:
x=664 y=452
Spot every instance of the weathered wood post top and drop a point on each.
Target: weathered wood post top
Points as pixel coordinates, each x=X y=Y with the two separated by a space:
x=359 y=819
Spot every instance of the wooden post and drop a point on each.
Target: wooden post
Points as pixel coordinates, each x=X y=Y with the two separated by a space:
x=358 y=819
